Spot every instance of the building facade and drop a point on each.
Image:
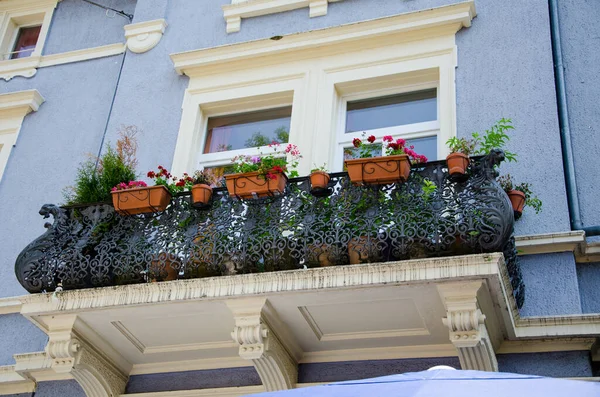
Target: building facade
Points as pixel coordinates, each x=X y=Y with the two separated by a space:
x=75 y=72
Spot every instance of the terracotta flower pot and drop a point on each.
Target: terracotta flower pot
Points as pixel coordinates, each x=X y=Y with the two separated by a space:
x=248 y=184
x=319 y=180
x=457 y=163
x=201 y=195
x=379 y=170
x=517 y=199
x=141 y=200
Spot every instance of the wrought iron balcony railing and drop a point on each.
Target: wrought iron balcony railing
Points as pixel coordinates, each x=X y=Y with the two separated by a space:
x=430 y=215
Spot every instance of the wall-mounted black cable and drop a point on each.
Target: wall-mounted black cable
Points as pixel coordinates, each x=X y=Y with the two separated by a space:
x=118 y=12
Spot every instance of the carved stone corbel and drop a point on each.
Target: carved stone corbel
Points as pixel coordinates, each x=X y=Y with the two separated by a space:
x=266 y=341
x=69 y=353
x=466 y=322
x=144 y=36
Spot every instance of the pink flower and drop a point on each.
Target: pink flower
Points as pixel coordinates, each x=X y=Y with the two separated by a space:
x=388 y=138
x=400 y=141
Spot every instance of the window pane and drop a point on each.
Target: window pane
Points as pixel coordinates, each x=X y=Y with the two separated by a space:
x=426 y=146
x=248 y=130
x=26 y=42
x=391 y=111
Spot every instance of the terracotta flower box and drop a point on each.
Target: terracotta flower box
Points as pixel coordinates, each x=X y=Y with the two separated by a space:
x=379 y=170
x=248 y=185
x=141 y=200
x=319 y=180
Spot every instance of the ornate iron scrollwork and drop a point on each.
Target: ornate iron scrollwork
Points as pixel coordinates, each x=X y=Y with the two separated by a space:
x=429 y=215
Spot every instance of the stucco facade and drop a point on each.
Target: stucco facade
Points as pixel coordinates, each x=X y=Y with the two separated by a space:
x=504 y=69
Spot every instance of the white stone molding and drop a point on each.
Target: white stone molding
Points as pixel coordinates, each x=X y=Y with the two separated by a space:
x=238 y=9
x=340 y=39
x=14 y=107
x=71 y=353
x=9 y=305
x=27 y=67
x=144 y=36
x=259 y=333
x=468 y=332
x=11 y=382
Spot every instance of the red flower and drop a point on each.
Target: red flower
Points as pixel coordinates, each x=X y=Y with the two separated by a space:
x=356 y=142
x=151 y=174
x=180 y=183
x=388 y=138
x=277 y=169
x=393 y=146
x=371 y=139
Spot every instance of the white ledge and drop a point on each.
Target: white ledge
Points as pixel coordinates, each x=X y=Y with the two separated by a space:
x=144 y=36
x=25 y=101
x=27 y=67
x=549 y=242
x=238 y=9
x=338 y=39
x=411 y=271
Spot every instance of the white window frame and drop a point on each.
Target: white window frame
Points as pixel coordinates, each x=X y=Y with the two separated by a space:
x=15 y=15
x=223 y=101
x=14 y=107
x=404 y=131
x=328 y=66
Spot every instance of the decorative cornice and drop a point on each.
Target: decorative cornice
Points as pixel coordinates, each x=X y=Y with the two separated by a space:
x=27 y=67
x=22 y=101
x=234 y=12
x=261 y=334
x=144 y=36
x=468 y=332
x=340 y=39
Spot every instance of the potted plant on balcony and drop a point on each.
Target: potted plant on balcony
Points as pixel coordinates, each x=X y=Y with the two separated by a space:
x=96 y=176
x=202 y=183
x=263 y=175
x=458 y=160
x=319 y=179
x=520 y=195
x=394 y=167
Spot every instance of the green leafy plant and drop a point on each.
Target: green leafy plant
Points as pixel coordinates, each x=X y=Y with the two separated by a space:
x=461 y=145
x=428 y=188
x=531 y=200
x=319 y=168
x=97 y=176
x=495 y=137
x=272 y=163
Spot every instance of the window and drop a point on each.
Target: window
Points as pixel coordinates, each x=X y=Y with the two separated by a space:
x=389 y=76
x=24 y=27
x=248 y=130
x=26 y=41
x=410 y=115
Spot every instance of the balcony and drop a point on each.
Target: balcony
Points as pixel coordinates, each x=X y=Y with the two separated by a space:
x=431 y=215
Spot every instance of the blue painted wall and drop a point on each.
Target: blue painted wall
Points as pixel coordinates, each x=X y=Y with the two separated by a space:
x=555 y=364
x=19 y=335
x=589 y=282
x=63 y=388
x=499 y=75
